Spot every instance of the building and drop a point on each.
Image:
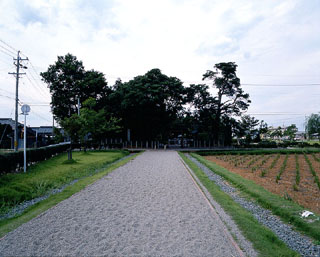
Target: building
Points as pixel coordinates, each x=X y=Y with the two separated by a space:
x=7 y=135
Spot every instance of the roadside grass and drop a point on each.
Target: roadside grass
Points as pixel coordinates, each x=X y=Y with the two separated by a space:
x=288 y=211
x=53 y=173
x=262 y=238
x=40 y=207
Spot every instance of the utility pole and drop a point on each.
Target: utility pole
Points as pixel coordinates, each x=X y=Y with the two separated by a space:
x=78 y=106
x=17 y=74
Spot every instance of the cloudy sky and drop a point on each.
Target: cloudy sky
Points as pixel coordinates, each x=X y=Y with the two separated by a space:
x=276 y=45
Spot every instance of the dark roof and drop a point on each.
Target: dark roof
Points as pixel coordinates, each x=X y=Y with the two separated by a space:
x=10 y=122
x=43 y=129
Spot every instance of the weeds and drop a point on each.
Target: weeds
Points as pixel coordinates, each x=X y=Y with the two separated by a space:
x=297 y=172
x=283 y=167
x=316 y=178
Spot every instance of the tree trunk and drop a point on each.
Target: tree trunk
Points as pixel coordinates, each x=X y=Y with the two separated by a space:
x=70 y=151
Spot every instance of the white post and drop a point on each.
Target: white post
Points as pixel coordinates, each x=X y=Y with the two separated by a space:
x=25 y=109
x=24 y=143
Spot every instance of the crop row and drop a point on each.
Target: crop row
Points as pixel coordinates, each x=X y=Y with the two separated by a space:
x=258 y=163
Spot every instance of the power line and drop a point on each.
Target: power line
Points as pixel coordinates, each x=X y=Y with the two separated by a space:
x=6 y=53
x=41 y=117
x=281 y=85
x=8 y=97
x=36 y=86
x=7 y=91
x=277 y=114
x=15 y=50
x=8 y=50
x=37 y=74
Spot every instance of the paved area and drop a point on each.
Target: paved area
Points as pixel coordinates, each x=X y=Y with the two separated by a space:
x=148 y=207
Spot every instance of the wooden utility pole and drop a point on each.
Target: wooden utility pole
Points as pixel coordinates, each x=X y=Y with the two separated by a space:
x=17 y=74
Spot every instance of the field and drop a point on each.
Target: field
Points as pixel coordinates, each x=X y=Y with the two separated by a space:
x=292 y=176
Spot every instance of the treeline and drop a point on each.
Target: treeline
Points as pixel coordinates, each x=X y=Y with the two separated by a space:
x=152 y=106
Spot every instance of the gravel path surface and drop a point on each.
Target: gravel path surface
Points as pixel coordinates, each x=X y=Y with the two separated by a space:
x=20 y=208
x=148 y=207
x=294 y=240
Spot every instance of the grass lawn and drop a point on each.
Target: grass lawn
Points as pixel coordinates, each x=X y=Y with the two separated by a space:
x=53 y=173
x=85 y=166
x=263 y=239
x=287 y=210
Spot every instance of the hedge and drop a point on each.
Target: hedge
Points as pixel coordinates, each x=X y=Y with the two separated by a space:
x=10 y=162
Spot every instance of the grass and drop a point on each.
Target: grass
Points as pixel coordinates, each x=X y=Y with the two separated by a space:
x=283 y=167
x=50 y=174
x=288 y=211
x=35 y=210
x=316 y=178
x=263 y=239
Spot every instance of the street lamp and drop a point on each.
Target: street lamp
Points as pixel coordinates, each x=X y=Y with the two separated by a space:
x=25 y=109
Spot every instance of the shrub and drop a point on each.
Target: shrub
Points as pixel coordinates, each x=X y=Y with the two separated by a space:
x=10 y=162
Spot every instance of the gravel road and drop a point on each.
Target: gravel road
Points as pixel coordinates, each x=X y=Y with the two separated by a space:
x=148 y=207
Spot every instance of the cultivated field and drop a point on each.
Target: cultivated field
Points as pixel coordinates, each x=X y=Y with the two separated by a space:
x=293 y=176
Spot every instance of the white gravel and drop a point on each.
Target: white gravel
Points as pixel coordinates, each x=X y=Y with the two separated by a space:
x=148 y=207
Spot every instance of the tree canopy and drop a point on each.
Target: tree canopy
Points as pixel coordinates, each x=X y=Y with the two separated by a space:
x=152 y=106
x=68 y=80
x=313 y=125
x=149 y=104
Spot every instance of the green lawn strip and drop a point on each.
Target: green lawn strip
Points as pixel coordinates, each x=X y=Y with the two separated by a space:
x=288 y=211
x=262 y=238
x=53 y=173
x=35 y=210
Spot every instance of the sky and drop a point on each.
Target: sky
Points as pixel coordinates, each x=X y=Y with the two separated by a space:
x=276 y=45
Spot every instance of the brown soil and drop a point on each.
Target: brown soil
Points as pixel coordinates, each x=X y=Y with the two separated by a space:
x=308 y=194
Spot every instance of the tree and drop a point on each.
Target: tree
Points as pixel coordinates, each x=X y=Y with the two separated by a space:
x=149 y=104
x=230 y=99
x=248 y=128
x=313 y=125
x=72 y=126
x=263 y=130
x=95 y=123
x=68 y=81
x=291 y=131
x=277 y=133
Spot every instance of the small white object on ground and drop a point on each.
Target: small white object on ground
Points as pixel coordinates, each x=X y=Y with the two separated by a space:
x=306 y=214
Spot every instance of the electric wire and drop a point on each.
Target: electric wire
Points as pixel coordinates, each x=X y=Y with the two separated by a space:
x=37 y=74
x=6 y=53
x=8 y=45
x=37 y=87
x=8 y=50
x=281 y=85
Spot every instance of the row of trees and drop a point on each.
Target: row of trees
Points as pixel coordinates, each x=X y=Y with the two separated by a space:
x=152 y=106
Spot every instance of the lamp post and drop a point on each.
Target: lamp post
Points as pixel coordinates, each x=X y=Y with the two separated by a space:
x=25 y=109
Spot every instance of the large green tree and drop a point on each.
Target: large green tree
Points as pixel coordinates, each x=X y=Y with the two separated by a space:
x=230 y=100
x=313 y=125
x=149 y=104
x=95 y=124
x=290 y=131
x=68 y=80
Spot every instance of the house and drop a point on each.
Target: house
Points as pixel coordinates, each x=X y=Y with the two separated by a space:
x=7 y=135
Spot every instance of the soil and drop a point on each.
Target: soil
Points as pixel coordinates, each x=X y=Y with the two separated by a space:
x=306 y=193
